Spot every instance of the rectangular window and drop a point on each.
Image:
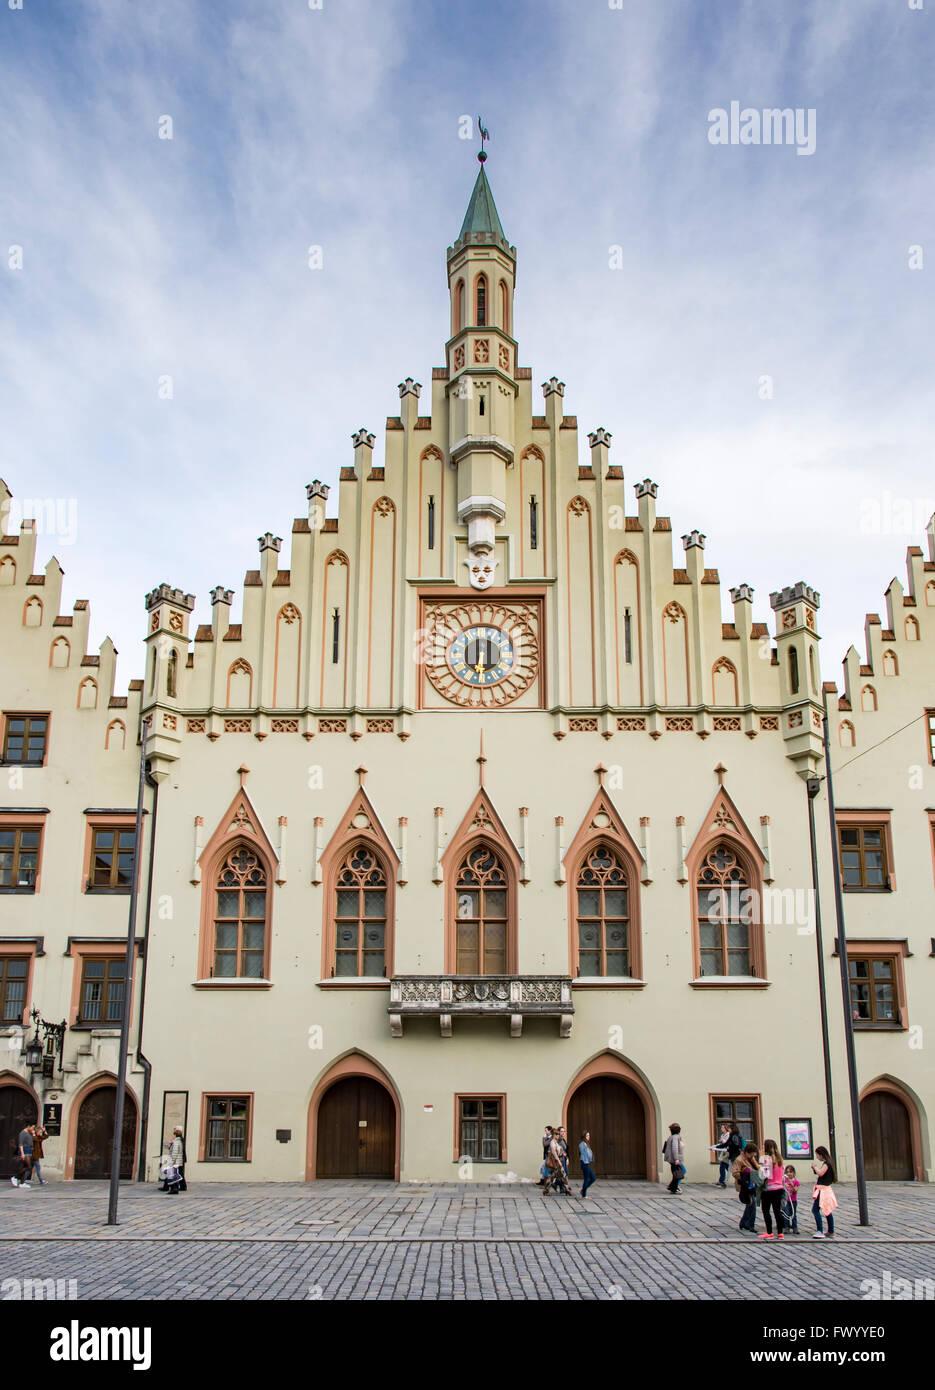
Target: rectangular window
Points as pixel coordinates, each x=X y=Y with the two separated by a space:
x=742 y=1111
x=24 y=738
x=113 y=857
x=431 y=523
x=862 y=850
x=228 y=1124
x=103 y=986
x=930 y=733
x=14 y=975
x=533 y=524
x=627 y=638
x=874 y=1000
x=19 y=857
x=335 y=636
x=480 y=1128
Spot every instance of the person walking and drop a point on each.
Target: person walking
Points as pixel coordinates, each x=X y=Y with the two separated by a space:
x=546 y=1141
x=735 y=1144
x=586 y=1158
x=555 y=1176
x=674 y=1154
x=722 y=1154
x=177 y=1183
x=771 y=1199
x=38 y=1134
x=823 y=1198
x=563 y=1145
x=24 y=1147
x=747 y=1178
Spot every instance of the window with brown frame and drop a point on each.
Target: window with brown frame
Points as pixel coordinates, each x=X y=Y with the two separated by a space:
x=874 y=995
x=930 y=732
x=724 y=918
x=103 y=989
x=863 y=857
x=14 y=976
x=360 y=915
x=481 y=894
x=603 y=914
x=24 y=738
x=735 y=1110
x=19 y=857
x=480 y=1128
x=113 y=857
x=240 y=917
x=228 y=1123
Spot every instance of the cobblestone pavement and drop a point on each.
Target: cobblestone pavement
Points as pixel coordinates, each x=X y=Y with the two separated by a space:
x=343 y=1240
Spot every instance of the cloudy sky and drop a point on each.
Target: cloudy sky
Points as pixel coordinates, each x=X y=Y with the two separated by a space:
x=145 y=258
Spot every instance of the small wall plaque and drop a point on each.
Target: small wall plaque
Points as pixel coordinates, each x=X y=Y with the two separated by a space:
x=283 y=1136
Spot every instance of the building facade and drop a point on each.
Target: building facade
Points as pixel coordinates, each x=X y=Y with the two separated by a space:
x=480 y=817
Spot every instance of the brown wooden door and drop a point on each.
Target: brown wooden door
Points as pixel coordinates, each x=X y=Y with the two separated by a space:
x=613 y=1112
x=887 y=1138
x=17 y=1109
x=95 y=1135
x=356 y=1130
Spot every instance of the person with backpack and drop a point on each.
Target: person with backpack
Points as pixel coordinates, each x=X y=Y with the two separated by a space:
x=673 y=1152
x=24 y=1149
x=747 y=1180
x=774 y=1175
x=721 y=1153
x=823 y=1198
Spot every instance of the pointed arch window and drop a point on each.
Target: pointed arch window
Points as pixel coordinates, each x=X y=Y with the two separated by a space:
x=240 y=916
x=360 y=915
x=504 y=306
x=458 y=323
x=725 y=920
x=482 y=907
x=172 y=675
x=603 y=914
x=480 y=301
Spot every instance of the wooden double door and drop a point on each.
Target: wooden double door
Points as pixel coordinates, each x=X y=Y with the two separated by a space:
x=356 y=1130
x=95 y=1134
x=17 y=1109
x=887 y=1132
x=614 y=1114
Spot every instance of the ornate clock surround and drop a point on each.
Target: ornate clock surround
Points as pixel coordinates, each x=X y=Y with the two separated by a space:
x=519 y=616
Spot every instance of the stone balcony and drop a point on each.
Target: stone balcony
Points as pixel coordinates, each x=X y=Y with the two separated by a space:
x=447 y=997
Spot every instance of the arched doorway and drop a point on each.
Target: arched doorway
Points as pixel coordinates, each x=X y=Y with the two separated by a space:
x=356 y=1130
x=888 y=1140
x=17 y=1108
x=94 y=1134
x=613 y=1111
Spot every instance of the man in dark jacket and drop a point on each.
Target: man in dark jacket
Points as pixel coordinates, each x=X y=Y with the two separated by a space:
x=24 y=1154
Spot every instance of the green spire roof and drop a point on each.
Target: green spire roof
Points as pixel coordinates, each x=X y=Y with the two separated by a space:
x=482 y=215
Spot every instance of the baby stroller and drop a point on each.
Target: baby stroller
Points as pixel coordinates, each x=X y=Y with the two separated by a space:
x=171 y=1178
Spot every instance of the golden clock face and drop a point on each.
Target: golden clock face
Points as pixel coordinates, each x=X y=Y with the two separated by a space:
x=481 y=654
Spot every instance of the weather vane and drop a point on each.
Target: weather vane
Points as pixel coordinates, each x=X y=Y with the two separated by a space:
x=484 y=137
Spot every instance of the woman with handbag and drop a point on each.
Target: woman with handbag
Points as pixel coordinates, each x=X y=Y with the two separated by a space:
x=748 y=1179
x=774 y=1175
x=674 y=1154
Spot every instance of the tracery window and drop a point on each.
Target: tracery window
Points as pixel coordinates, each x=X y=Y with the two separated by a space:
x=360 y=915
x=603 y=913
x=240 y=916
x=725 y=914
x=482 y=913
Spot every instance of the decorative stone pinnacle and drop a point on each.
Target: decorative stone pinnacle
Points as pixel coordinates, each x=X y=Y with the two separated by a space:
x=242 y=772
x=222 y=595
x=553 y=385
x=600 y=436
x=362 y=437
x=742 y=592
x=409 y=388
x=317 y=489
x=721 y=772
x=694 y=538
x=646 y=486
x=793 y=593
x=269 y=542
x=163 y=593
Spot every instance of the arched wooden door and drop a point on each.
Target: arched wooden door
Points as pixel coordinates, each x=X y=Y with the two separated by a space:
x=95 y=1134
x=356 y=1130
x=17 y=1109
x=614 y=1114
x=885 y=1122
